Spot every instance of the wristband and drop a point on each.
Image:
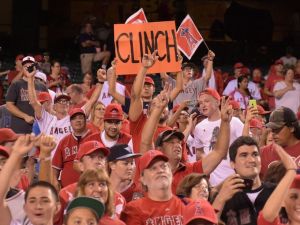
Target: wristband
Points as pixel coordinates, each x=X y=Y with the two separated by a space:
x=101 y=82
x=291 y=169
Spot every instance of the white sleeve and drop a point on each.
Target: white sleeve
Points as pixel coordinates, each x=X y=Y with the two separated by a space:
x=228 y=89
x=120 y=89
x=237 y=126
x=45 y=119
x=278 y=86
x=257 y=95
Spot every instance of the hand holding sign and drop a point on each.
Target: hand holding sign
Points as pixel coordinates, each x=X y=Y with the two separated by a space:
x=149 y=60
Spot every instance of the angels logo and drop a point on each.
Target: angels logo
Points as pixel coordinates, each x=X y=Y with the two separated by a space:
x=188 y=37
x=191 y=41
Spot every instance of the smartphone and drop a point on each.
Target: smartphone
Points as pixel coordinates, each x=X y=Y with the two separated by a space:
x=248 y=184
x=30 y=68
x=252 y=102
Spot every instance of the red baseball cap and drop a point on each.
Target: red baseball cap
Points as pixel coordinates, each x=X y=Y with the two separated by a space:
x=245 y=70
x=75 y=111
x=238 y=65
x=199 y=209
x=176 y=107
x=89 y=147
x=4 y=151
x=149 y=80
x=235 y=104
x=113 y=112
x=19 y=57
x=261 y=110
x=255 y=123
x=7 y=134
x=212 y=92
x=278 y=61
x=296 y=182
x=43 y=97
x=60 y=96
x=149 y=156
x=39 y=58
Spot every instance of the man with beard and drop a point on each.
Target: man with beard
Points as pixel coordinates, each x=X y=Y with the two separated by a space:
x=68 y=147
x=286 y=133
x=122 y=171
x=159 y=206
x=112 y=134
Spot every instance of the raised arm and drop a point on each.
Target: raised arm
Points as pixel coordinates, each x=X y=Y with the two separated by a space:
x=36 y=105
x=209 y=68
x=171 y=122
x=158 y=105
x=212 y=160
x=250 y=114
x=136 y=104
x=112 y=81
x=47 y=145
x=22 y=146
x=274 y=202
x=94 y=98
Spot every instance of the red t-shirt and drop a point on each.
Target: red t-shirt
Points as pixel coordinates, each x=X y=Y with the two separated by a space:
x=136 y=128
x=93 y=128
x=11 y=75
x=146 y=211
x=64 y=156
x=134 y=191
x=268 y=154
x=159 y=130
x=261 y=220
x=183 y=170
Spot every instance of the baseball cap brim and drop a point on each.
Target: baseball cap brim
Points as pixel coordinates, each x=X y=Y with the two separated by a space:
x=131 y=155
x=165 y=137
x=62 y=96
x=104 y=150
x=155 y=158
x=275 y=125
x=86 y=202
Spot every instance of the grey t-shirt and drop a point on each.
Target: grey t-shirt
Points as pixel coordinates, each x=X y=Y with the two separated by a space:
x=190 y=92
x=18 y=94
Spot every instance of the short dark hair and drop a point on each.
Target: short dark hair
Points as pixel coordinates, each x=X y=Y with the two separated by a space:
x=45 y=185
x=240 y=141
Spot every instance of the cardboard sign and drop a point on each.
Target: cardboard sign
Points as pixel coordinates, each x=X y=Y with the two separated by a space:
x=188 y=36
x=132 y=41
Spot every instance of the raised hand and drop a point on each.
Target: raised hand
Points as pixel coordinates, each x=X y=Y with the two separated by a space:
x=251 y=113
x=47 y=145
x=211 y=55
x=226 y=110
x=29 y=74
x=286 y=159
x=23 y=144
x=149 y=60
x=230 y=186
x=101 y=74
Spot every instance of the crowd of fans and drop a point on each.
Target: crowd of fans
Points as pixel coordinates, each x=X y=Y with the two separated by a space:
x=208 y=149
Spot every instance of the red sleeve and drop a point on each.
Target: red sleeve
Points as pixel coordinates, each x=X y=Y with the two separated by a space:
x=197 y=167
x=136 y=129
x=262 y=221
x=267 y=155
x=90 y=92
x=57 y=161
x=11 y=75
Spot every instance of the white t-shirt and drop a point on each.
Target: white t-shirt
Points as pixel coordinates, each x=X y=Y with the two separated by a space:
x=290 y=99
x=212 y=80
x=239 y=97
x=50 y=125
x=205 y=136
x=109 y=144
x=106 y=98
x=232 y=85
x=289 y=60
x=192 y=151
x=15 y=204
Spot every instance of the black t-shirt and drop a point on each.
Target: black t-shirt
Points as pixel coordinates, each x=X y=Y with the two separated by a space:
x=18 y=94
x=85 y=37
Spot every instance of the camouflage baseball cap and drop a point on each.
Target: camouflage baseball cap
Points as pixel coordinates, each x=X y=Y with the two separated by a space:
x=281 y=117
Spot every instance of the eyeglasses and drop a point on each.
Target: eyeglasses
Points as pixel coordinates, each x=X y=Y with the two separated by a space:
x=277 y=130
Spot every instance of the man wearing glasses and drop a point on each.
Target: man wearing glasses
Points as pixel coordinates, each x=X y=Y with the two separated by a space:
x=286 y=133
